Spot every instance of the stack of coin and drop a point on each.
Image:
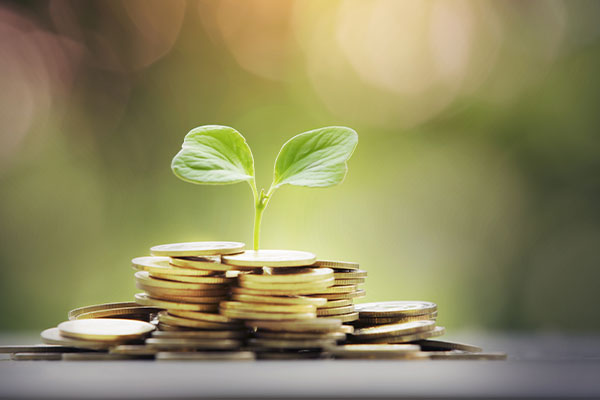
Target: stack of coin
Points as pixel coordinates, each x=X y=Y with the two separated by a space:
x=125 y=310
x=340 y=297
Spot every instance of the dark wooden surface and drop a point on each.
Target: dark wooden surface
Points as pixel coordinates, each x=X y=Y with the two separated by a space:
x=539 y=366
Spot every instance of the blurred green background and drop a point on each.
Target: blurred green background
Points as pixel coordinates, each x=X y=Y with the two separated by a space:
x=475 y=183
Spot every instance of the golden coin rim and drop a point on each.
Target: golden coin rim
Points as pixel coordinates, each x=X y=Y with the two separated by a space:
x=251 y=298
x=163 y=250
x=308 y=259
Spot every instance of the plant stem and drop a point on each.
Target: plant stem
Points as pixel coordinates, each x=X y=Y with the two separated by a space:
x=259 y=208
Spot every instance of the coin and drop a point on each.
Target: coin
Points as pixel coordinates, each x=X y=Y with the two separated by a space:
x=105 y=329
x=36 y=348
x=337 y=264
x=454 y=355
x=404 y=328
x=439 y=345
x=291 y=344
x=187 y=299
x=350 y=274
x=336 y=303
x=395 y=308
x=201 y=263
x=309 y=325
x=199 y=334
x=271 y=258
x=373 y=350
x=292 y=275
x=272 y=354
x=338 y=290
x=254 y=315
x=349 y=317
x=193 y=323
x=338 y=296
x=282 y=308
x=36 y=356
x=344 y=282
x=413 y=337
x=133 y=350
x=144 y=278
x=197 y=249
x=393 y=320
x=100 y=357
x=162 y=265
x=206 y=356
x=336 y=336
x=335 y=310
x=202 y=316
x=273 y=292
x=205 y=344
x=313 y=287
x=347 y=329
x=116 y=312
x=53 y=336
x=249 y=298
x=97 y=307
x=194 y=279
x=144 y=299
x=168 y=293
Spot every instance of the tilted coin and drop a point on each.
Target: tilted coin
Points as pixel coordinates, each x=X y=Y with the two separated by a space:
x=275 y=308
x=413 y=337
x=349 y=317
x=336 y=264
x=335 y=310
x=404 y=328
x=116 y=312
x=53 y=336
x=338 y=296
x=193 y=323
x=271 y=258
x=265 y=316
x=162 y=265
x=205 y=344
x=201 y=263
x=133 y=349
x=336 y=303
x=356 y=274
x=274 y=292
x=144 y=299
x=206 y=356
x=37 y=348
x=249 y=298
x=309 y=325
x=105 y=329
x=197 y=249
x=374 y=351
x=312 y=287
x=338 y=290
x=101 y=357
x=368 y=321
x=144 y=278
x=97 y=307
x=194 y=279
x=455 y=355
x=36 y=356
x=187 y=299
x=440 y=345
x=336 y=336
x=292 y=275
x=291 y=344
x=172 y=293
x=195 y=334
x=395 y=308
x=172 y=328
x=202 y=316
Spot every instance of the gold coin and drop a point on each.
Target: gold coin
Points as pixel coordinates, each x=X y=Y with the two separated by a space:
x=144 y=278
x=272 y=292
x=192 y=323
x=275 y=308
x=202 y=316
x=394 y=320
x=289 y=276
x=273 y=354
x=171 y=328
x=105 y=329
x=337 y=264
x=249 y=298
x=335 y=310
x=336 y=336
x=356 y=281
x=291 y=344
x=347 y=329
x=133 y=350
x=395 y=308
x=316 y=325
x=206 y=356
x=117 y=312
x=187 y=299
x=349 y=317
x=356 y=274
x=161 y=292
x=254 y=315
x=201 y=264
x=196 y=249
x=403 y=328
x=336 y=303
x=194 y=279
x=455 y=355
x=339 y=296
x=36 y=348
x=97 y=307
x=363 y=351
x=53 y=336
x=36 y=356
x=161 y=265
x=439 y=345
x=271 y=258
x=99 y=357
x=412 y=337
x=205 y=344
x=144 y=299
x=313 y=287
x=339 y=290
x=200 y=334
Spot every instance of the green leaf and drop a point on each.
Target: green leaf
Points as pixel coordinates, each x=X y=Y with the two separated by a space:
x=214 y=155
x=315 y=158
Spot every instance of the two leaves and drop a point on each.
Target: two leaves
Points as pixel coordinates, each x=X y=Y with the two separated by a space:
x=218 y=155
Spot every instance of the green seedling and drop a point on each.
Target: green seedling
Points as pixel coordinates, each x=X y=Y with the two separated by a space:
x=219 y=155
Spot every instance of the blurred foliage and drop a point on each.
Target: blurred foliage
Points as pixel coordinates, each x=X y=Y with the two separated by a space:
x=475 y=182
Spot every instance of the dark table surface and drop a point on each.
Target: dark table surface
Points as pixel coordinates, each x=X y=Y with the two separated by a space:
x=538 y=366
